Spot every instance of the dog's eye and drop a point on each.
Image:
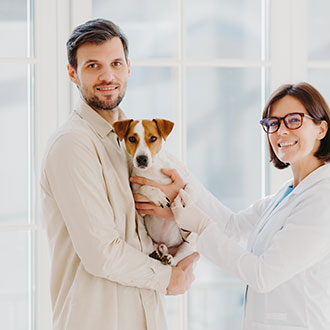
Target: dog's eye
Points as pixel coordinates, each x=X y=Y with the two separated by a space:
x=132 y=139
x=153 y=139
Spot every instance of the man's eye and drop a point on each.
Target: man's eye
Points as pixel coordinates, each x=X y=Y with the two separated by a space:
x=93 y=65
x=132 y=139
x=116 y=63
x=153 y=139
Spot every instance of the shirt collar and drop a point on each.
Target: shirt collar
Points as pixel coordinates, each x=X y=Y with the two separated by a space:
x=101 y=126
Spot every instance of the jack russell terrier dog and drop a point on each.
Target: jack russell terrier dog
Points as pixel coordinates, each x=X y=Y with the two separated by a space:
x=143 y=141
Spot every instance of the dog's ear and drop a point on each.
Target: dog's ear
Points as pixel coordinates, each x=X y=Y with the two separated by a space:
x=164 y=127
x=121 y=127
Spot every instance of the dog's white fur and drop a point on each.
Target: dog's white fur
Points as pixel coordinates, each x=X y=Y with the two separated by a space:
x=170 y=245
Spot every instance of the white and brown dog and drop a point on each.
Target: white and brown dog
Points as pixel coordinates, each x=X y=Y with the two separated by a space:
x=143 y=141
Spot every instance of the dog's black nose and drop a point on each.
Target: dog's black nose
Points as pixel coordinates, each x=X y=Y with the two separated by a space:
x=142 y=160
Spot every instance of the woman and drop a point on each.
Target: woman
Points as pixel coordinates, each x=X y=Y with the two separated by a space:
x=286 y=263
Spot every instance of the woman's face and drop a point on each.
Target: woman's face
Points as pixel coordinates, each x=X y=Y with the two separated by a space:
x=296 y=147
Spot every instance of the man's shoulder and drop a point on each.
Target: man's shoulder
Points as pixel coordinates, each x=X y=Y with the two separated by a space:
x=74 y=125
x=74 y=130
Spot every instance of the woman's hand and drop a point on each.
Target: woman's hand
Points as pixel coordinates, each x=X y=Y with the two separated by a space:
x=144 y=206
x=171 y=190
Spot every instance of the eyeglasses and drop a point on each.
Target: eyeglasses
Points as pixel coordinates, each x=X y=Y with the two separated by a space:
x=291 y=121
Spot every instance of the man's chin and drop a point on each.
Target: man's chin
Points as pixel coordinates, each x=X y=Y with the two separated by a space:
x=99 y=105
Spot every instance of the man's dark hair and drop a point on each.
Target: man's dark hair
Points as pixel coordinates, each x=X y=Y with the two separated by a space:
x=316 y=107
x=96 y=31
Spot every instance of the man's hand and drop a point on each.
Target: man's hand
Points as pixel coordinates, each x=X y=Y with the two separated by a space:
x=182 y=275
x=171 y=190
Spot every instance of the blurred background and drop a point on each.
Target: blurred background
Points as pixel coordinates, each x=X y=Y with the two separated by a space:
x=208 y=65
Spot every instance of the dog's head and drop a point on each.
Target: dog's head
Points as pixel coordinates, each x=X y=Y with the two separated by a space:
x=143 y=139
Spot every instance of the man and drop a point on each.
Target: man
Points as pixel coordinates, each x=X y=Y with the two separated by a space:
x=100 y=277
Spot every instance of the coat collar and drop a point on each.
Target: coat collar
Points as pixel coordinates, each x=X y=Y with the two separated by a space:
x=319 y=174
x=101 y=126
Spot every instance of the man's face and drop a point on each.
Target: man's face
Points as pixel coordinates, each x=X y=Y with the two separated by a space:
x=102 y=73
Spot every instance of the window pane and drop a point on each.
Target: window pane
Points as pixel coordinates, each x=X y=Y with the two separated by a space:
x=224 y=145
x=150 y=25
x=224 y=152
x=14 y=285
x=223 y=29
x=318 y=27
x=320 y=79
x=13 y=28
x=13 y=144
x=215 y=301
x=151 y=93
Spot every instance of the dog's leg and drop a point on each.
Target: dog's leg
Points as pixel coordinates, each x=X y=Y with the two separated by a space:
x=161 y=254
x=155 y=195
x=166 y=258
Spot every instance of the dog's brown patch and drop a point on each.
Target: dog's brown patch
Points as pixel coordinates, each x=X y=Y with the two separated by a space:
x=125 y=130
x=164 y=127
x=154 y=131
x=132 y=139
x=152 y=136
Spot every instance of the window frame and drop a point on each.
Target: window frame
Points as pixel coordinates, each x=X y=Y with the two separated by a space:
x=54 y=96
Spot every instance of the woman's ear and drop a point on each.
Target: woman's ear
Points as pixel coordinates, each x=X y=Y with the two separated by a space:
x=323 y=129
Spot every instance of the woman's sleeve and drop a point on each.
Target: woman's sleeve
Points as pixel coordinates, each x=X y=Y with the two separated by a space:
x=303 y=241
x=238 y=226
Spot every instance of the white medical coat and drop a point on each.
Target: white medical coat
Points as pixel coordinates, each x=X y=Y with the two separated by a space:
x=287 y=260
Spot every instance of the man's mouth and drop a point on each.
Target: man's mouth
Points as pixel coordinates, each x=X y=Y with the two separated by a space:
x=106 y=88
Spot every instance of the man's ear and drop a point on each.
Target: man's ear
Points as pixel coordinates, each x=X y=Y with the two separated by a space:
x=129 y=67
x=72 y=74
x=121 y=127
x=164 y=127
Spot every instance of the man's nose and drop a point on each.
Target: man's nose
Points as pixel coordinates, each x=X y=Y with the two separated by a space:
x=107 y=74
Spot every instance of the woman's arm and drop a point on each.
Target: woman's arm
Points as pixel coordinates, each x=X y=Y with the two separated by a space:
x=234 y=225
x=303 y=241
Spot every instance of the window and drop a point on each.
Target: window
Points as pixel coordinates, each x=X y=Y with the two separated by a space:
x=209 y=66
x=202 y=66
x=16 y=190
x=319 y=47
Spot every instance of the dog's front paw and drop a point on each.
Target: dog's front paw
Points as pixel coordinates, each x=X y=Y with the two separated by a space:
x=166 y=259
x=155 y=195
x=161 y=254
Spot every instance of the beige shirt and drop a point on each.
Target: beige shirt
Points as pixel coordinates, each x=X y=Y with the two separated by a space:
x=101 y=276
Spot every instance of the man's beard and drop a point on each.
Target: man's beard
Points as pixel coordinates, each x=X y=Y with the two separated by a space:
x=97 y=104
x=93 y=101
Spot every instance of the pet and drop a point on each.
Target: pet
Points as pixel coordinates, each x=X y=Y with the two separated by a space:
x=143 y=142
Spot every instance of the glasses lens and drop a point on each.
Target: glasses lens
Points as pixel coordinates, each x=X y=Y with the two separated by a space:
x=270 y=125
x=293 y=120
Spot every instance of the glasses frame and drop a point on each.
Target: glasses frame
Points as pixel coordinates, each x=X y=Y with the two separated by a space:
x=301 y=114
